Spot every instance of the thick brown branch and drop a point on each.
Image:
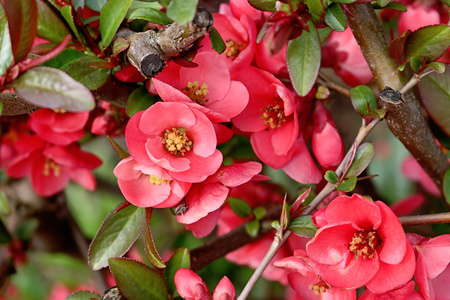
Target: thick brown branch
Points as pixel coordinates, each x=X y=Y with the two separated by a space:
x=14 y=105
x=404 y=118
x=425 y=219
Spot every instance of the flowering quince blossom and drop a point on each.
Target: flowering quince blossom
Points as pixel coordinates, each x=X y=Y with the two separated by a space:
x=207 y=87
x=178 y=138
x=204 y=200
x=191 y=287
x=148 y=185
x=109 y=120
x=50 y=167
x=412 y=170
x=432 y=272
x=360 y=242
x=58 y=127
x=404 y=292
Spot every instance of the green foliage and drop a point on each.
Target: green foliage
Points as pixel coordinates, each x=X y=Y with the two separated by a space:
x=65 y=59
x=92 y=78
x=181 y=259
x=392 y=5
x=316 y=10
x=182 y=11
x=303 y=60
x=347 y=185
x=429 y=42
x=4 y=204
x=217 y=42
x=49 y=26
x=66 y=12
x=83 y=295
x=139 y=100
x=303 y=226
x=447 y=186
x=335 y=18
x=253 y=227
x=5 y=237
x=363 y=156
x=137 y=281
x=265 y=5
x=150 y=15
x=363 y=99
x=6 y=55
x=111 y=16
x=96 y=5
x=117 y=234
x=240 y=207
x=52 y=88
x=149 y=244
x=331 y=177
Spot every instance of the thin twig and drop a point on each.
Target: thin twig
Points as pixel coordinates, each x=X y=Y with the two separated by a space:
x=425 y=219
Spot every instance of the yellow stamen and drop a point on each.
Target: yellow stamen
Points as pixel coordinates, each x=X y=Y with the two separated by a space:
x=156 y=180
x=233 y=49
x=196 y=93
x=51 y=166
x=364 y=243
x=176 y=141
x=319 y=287
x=273 y=116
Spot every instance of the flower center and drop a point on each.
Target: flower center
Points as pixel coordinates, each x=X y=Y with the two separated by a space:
x=51 y=166
x=59 y=111
x=273 y=116
x=176 y=141
x=196 y=93
x=364 y=243
x=319 y=287
x=156 y=180
x=233 y=49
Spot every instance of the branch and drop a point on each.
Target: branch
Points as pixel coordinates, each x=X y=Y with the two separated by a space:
x=404 y=118
x=425 y=219
x=14 y=105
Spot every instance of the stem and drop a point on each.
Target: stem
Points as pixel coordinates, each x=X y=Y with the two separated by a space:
x=425 y=219
x=404 y=119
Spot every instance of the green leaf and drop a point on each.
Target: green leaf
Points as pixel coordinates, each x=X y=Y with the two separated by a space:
x=447 y=2
x=137 y=4
x=49 y=26
x=362 y=158
x=265 y=5
x=344 y=1
x=378 y=113
x=150 y=15
x=83 y=295
x=66 y=12
x=240 y=207
x=111 y=16
x=347 y=185
x=252 y=228
x=5 y=237
x=137 y=281
x=217 y=42
x=139 y=100
x=316 y=10
x=181 y=259
x=92 y=78
x=438 y=66
x=391 y=5
x=26 y=229
x=383 y=3
x=435 y=93
x=303 y=60
x=149 y=244
x=96 y=5
x=120 y=44
x=4 y=205
x=363 y=99
x=22 y=18
x=447 y=186
x=259 y=212
x=6 y=55
x=182 y=11
x=117 y=234
x=303 y=226
x=429 y=42
x=52 y=88
x=65 y=59
x=416 y=64
x=335 y=18
x=331 y=177
x=119 y=150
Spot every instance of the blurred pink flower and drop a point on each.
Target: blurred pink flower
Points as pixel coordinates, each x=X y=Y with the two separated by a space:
x=412 y=170
x=360 y=242
x=404 y=292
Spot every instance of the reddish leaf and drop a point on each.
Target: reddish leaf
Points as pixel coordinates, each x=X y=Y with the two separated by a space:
x=149 y=244
x=397 y=48
x=22 y=18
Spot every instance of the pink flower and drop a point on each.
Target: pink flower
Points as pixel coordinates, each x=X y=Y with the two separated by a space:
x=191 y=287
x=176 y=137
x=432 y=272
x=60 y=128
x=360 y=242
x=417 y=16
x=51 y=167
x=342 y=53
x=207 y=87
x=404 y=292
x=148 y=185
x=412 y=170
x=110 y=120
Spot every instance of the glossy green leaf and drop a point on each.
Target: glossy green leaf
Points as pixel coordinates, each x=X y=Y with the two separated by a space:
x=119 y=150
x=240 y=207
x=149 y=244
x=4 y=204
x=52 y=88
x=217 y=42
x=344 y=1
x=391 y=5
x=164 y=3
x=26 y=229
x=181 y=259
x=5 y=237
x=259 y=212
x=138 y=4
x=362 y=158
x=22 y=18
x=120 y=45
x=182 y=11
x=83 y=295
x=335 y=18
x=66 y=12
x=6 y=55
x=438 y=66
x=137 y=281
x=78 y=4
x=316 y=10
x=96 y=5
x=49 y=26
x=383 y=3
x=253 y=227
x=117 y=234
x=435 y=93
x=150 y=15
x=416 y=64
x=363 y=99
x=111 y=16
x=378 y=113
x=139 y=100
x=331 y=177
x=303 y=60
x=447 y=186
x=429 y=42
x=303 y=226
x=447 y=2
x=65 y=59
x=347 y=185
x=265 y=5
x=92 y=78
